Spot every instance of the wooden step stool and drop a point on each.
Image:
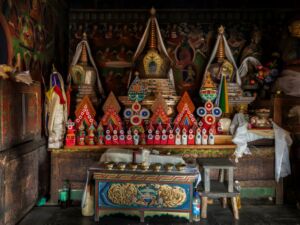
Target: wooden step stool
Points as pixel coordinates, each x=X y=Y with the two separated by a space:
x=218 y=188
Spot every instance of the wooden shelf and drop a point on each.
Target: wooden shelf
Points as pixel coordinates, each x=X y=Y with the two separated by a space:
x=183 y=147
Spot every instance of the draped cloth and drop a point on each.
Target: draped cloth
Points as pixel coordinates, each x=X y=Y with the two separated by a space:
x=283 y=141
x=75 y=61
x=228 y=55
x=56 y=108
x=161 y=47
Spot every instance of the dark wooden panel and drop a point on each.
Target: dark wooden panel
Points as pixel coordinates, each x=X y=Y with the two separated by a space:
x=20 y=113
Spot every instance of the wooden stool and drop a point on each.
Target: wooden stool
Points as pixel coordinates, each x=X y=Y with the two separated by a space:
x=218 y=188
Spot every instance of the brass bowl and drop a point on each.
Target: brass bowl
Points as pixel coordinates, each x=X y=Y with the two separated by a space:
x=169 y=167
x=109 y=165
x=121 y=166
x=180 y=166
x=156 y=167
x=133 y=166
x=144 y=166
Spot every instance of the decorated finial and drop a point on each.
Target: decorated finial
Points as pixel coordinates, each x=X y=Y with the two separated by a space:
x=152 y=11
x=152 y=41
x=136 y=73
x=221 y=29
x=221 y=49
x=84 y=36
x=53 y=68
x=83 y=57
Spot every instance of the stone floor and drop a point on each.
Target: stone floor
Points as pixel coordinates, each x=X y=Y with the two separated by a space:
x=249 y=215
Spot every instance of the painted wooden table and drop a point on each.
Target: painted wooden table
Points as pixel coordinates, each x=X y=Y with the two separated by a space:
x=144 y=193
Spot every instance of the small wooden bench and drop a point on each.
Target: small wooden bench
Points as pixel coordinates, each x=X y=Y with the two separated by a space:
x=218 y=188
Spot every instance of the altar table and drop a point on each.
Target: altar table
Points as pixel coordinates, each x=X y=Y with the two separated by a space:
x=144 y=193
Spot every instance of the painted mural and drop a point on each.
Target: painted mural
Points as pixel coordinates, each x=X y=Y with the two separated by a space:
x=32 y=24
x=188 y=44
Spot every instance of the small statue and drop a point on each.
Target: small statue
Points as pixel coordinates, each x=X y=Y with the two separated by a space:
x=178 y=136
x=204 y=137
x=100 y=132
x=191 y=137
x=129 y=140
x=171 y=138
x=122 y=138
x=198 y=137
x=108 y=140
x=211 y=137
x=157 y=137
x=136 y=137
x=70 y=138
x=81 y=135
x=150 y=137
x=115 y=138
x=164 y=138
x=91 y=136
x=184 y=137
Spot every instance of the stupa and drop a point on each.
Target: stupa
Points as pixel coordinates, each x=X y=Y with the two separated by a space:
x=152 y=64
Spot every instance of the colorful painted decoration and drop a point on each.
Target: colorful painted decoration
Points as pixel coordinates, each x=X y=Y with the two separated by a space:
x=159 y=109
x=145 y=113
x=209 y=115
x=85 y=112
x=70 y=137
x=111 y=103
x=127 y=113
x=137 y=91
x=208 y=90
x=111 y=110
x=136 y=107
x=185 y=117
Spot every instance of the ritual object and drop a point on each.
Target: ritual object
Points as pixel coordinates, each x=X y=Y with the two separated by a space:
x=91 y=135
x=100 y=132
x=225 y=74
x=209 y=115
x=81 y=135
x=178 y=137
x=70 y=137
x=85 y=112
x=171 y=138
x=208 y=90
x=160 y=111
x=122 y=138
x=153 y=64
x=261 y=119
x=198 y=138
x=129 y=139
x=157 y=137
x=191 y=137
x=111 y=109
x=108 y=138
x=115 y=138
x=184 y=137
x=85 y=78
x=185 y=117
x=164 y=138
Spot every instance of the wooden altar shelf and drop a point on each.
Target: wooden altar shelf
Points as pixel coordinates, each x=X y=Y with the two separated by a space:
x=104 y=147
